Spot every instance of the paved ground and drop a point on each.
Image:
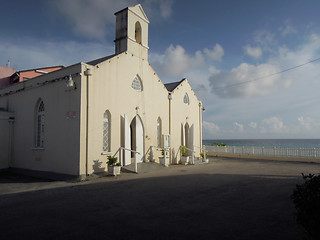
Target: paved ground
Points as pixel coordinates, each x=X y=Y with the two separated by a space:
x=225 y=199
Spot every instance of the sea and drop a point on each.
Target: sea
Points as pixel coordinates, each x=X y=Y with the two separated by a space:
x=278 y=143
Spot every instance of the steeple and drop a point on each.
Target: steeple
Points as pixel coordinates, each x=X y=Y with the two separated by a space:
x=132 y=31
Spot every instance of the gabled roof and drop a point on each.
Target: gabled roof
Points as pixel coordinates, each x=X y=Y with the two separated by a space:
x=171 y=86
x=100 y=60
x=136 y=9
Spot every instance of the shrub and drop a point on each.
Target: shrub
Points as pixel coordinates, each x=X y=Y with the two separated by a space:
x=184 y=151
x=306 y=198
x=112 y=161
x=219 y=144
x=202 y=154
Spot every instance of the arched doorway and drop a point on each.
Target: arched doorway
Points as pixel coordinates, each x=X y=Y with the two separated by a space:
x=136 y=138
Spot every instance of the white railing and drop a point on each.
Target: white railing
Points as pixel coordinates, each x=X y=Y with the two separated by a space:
x=121 y=153
x=265 y=151
x=192 y=153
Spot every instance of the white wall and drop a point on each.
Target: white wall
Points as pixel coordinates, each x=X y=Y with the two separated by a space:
x=61 y=135
x=6 y=131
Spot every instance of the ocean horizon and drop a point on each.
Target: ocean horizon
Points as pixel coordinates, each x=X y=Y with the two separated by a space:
x=278 y=143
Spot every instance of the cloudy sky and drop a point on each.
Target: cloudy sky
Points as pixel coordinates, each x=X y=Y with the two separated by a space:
x=254 y=64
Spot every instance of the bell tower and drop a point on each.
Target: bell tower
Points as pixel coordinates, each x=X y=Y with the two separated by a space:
x=132 y=31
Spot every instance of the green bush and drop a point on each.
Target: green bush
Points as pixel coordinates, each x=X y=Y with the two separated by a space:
x=306 y=198
x=219 y=144
x=112 y=161
x=184 y=151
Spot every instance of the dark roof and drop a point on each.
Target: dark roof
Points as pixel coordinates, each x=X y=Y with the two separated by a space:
x=100 y=60
x=171 y=86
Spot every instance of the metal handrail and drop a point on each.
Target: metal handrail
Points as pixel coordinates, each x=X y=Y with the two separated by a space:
x=121 y=154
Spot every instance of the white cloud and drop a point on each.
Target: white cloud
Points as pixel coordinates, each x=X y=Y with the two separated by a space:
x=156 y=9
x=253 y=125
x=308 y=123
x=264 y=38
x=91 y=18
x=238 y=126
x=214 y=70
x=287 y=28
x=230 y=84
x=254 y=52
x=176 y=61
x=31 y=53
x=273 y=125
x=211 y=128
x=216 y=53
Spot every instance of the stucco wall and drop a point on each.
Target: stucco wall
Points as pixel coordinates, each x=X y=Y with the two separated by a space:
x=61 y=134
x=185 y=113
x=6 y=131
x=110 y=89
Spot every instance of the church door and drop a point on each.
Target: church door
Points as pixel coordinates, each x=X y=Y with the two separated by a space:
x=137 y=139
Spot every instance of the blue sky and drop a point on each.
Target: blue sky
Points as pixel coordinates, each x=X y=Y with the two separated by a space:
x=217 y=45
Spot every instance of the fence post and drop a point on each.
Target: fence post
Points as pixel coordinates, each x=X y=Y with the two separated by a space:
x=204 y=154
x=151 y=153
x=299 y=152
x=274 y=151
x=252 y=150
x=135 y=162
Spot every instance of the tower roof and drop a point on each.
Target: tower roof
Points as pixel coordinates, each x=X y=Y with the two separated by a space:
x=136 y=9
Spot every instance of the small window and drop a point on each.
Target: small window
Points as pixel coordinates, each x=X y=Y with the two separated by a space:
x=136 y=84
x=106 y=132
x=186 y=99
x=40 y=110
x=138 y=32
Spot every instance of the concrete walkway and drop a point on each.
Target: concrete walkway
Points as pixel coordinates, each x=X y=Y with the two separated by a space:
x=225 y=199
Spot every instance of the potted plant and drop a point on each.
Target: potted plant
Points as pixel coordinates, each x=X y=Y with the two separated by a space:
x=114 y=167
x=184 y=155
x=202 y=155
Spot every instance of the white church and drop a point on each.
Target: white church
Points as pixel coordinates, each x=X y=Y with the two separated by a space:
x=68 y=121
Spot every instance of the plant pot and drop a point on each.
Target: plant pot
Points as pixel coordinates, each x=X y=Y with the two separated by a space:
x=114 y=170
x=164 y=161
x=184 y=160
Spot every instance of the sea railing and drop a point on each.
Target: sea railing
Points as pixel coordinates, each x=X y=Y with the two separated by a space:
x=265 y=151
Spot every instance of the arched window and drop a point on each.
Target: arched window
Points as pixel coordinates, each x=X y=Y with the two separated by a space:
x=138 y=32
x=39 y=133
x=106 y=132
x=136 y=83
x=186 y=99
x=159 y=131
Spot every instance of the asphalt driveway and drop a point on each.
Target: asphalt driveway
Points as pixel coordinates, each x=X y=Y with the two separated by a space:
x=225 y=199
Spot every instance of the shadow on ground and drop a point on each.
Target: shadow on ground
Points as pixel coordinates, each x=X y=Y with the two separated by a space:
x=195 y=206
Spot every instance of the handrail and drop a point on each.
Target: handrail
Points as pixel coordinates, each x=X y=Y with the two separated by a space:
x=192 y=156
x=121 y=154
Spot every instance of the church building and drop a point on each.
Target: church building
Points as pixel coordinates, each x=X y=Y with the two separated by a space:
x=68 y=121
